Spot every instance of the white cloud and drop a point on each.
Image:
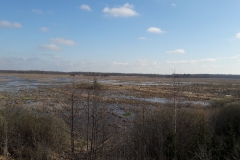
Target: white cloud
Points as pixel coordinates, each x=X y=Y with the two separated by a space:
x=143 y=38
x=176 y=62
x=56 y=57
x=37 y=11
x=85 y=7
x=208 y=60
x=126 y=10
x=62 y=41
x=173 y=4
x=147 y=63
x=53 y=62
x=177 y=51
x=139 y=66
x=120 y=64
x=52 y=47
x=52 y=56
x=44 y=29
x=208 y=66
x=7 y=24
x=194 y=61
x=235 y=57
x=238 y=35
x=154 y=30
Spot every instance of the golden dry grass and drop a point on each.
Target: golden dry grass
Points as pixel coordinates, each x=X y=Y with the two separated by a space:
x=197 y=89
x=137 y=79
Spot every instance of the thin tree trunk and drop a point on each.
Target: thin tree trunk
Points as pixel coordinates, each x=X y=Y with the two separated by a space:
x=72 y=127
x=175 y=114
x=6 y=139
x=88 y=118
x=92 y=136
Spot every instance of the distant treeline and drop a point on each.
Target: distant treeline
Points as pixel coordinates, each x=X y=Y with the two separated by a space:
x=124 y=74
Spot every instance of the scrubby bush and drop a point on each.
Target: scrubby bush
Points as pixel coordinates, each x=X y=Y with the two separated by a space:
x=228 y=119
x=226 y=128
x=156 y=137
x=32 y=135
x=217 y=103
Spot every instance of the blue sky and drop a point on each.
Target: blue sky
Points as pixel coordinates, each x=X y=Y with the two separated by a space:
x=134 y=36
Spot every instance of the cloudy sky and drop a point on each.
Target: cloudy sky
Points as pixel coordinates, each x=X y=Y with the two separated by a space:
x=134 y=36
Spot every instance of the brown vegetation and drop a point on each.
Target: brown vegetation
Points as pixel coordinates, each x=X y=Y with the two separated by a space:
x=89 y=120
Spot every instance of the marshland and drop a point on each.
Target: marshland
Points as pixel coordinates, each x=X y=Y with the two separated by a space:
x=44 y=116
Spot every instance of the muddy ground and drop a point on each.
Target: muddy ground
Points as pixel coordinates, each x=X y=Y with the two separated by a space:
x=120 y=93
x=122 y=98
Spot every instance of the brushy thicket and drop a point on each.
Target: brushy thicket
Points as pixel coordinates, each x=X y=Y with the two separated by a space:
x=201 y=133
x=212 y=133
x=31 y=135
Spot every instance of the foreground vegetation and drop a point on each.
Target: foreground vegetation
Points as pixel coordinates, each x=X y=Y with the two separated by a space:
x=79 y=122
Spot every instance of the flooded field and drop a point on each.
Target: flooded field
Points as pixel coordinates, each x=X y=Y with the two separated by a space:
x=118 y=93
x=115 y=103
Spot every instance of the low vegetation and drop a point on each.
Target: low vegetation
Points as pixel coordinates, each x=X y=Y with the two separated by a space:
x=90 y=121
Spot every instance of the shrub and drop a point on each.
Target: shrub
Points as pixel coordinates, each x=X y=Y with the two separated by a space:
x=32 y=135
x=217 y=103
x=227 y=119
x=226 y=128
x=156 y=138
x=127 y=114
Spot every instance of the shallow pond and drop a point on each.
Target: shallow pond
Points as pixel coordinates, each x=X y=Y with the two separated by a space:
x=159 y=100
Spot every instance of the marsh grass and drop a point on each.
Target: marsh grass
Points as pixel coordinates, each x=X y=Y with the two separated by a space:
x=127 y=114
x=121 y=128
